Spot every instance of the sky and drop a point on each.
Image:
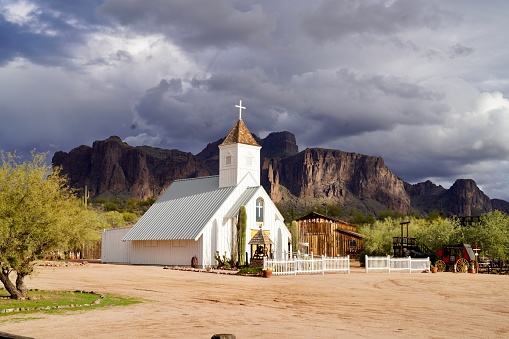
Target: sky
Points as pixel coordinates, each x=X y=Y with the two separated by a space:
x=423 y=84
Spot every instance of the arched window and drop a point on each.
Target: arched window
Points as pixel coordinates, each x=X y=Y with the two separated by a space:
x=259 y=210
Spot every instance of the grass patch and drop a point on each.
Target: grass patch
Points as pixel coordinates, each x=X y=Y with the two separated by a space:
x=57 y=302
x=250 y=271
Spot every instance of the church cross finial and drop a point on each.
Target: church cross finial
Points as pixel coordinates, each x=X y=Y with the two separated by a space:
x=240 y=107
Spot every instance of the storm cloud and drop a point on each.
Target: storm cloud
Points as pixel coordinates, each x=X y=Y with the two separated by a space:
x=422 y=83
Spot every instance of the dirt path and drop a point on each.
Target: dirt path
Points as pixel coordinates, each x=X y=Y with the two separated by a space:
x=197 y=305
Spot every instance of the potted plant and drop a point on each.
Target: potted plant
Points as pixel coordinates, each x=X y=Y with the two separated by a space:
x=433 y=268
x=267 y=272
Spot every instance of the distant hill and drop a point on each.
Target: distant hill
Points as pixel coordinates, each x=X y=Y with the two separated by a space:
x=295 y=180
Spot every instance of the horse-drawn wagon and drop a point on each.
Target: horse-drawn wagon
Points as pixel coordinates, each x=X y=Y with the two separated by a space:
x=455 y=258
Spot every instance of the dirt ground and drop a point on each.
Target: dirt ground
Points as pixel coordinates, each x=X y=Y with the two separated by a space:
x=183 y=304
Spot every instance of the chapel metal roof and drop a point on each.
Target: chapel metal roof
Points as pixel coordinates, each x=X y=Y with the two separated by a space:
x=240 y=135
x=242 y=201
x=182 y=211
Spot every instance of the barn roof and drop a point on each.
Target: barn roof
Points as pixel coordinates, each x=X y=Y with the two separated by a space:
x=351 y=233
x=182 y=211
x=315 y=215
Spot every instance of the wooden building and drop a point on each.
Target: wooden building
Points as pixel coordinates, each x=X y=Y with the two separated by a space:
x=322 y=235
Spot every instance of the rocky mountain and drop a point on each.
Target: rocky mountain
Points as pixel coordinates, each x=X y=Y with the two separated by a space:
x=334 y=177
x=464 y=198
x=112 y=168
x=295 y=180
x=500 y=205
x=275 y=145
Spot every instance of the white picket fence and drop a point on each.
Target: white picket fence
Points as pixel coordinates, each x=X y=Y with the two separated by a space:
x=388 y=264
x=307 y=265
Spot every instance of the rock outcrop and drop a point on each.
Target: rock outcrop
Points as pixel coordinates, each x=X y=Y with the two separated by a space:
x=295 y=180
x=112 y=168
x=500 y=205
x=275 y=145
x=464 y=198
x=335 y=177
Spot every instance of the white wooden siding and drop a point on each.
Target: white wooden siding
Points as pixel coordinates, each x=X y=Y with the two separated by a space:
x=166 y=252
x=113 y=249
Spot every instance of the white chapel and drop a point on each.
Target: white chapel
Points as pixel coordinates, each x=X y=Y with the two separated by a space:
x=198 y=216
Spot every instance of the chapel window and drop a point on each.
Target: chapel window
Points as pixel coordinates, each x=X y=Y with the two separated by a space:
x=259 y=210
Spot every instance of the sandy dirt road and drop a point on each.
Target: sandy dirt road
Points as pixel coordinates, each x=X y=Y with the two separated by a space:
x=182 y=304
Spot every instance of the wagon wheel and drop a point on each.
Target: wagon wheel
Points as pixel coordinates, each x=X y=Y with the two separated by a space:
x=462 y=265
x=440 y=265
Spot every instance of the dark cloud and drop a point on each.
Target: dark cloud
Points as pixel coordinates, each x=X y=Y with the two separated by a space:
x=424 y=84
x=459 y=50
x=333 y=19
x=49 y=33
x=196 y=24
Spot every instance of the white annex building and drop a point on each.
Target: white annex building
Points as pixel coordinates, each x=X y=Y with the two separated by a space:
x=198 y=217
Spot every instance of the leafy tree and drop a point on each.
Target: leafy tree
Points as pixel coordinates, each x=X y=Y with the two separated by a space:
x=360 y=219
x=117 y=219
x=492 y=235
x=439 y=233
x=129 y=217
x=379 y=236
x=38 y=213
x=434 y=215
x=389 y=214
x=111 y=206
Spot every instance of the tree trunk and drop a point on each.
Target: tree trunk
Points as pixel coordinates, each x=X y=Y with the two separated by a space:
x=9 y=286
x=20 y=285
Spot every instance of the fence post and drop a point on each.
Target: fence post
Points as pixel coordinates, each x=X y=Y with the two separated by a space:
x=366 y=262
x=348 y=263
x=410 y=264
x=389 y=263
x=323 y=264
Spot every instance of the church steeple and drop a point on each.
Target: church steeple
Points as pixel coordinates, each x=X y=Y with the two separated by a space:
x=239 y=154
x=240 y=135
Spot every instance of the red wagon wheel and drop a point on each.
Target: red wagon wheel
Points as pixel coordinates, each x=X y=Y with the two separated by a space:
x=462 y=265
x=440 y=265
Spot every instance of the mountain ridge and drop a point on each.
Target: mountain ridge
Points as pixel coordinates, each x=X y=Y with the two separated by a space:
x=295 y=180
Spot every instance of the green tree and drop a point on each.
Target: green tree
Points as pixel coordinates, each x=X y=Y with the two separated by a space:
x=38 y=213
x=492 y=235
x=116 y=219
x=379 y=236
x=439 y=233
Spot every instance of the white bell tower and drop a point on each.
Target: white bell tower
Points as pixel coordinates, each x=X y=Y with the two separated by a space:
x=239 y=154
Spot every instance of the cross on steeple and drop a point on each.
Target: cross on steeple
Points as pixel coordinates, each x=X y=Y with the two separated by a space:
x=240 y=107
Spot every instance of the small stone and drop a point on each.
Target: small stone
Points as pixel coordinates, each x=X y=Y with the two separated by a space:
x=223 y=336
